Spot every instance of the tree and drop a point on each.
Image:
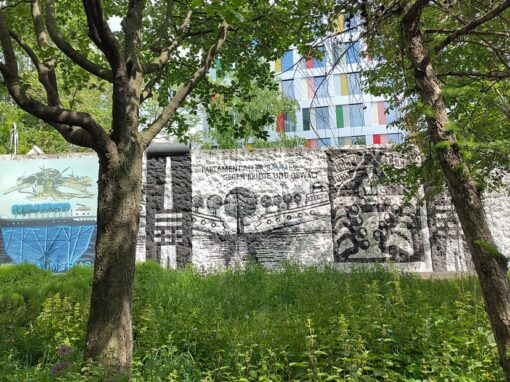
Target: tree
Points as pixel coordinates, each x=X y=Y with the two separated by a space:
x=214 y=202
x=163 y=50
x=240 y=203
x=447 y=64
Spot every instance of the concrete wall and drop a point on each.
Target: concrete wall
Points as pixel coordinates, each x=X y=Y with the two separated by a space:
x=224 y=208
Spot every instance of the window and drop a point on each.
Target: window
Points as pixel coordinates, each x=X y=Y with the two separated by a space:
x=315 y=62
x=323 y=142
x=314 y=87
x=352 y=54
x=351 y=22
x=287 y=61
x=338 y=53
x=359 y=140
x=288 y=89
x=321 y=87
x=289 y=122
x=395 y=138
x=320 y=62
x=354 y=83
x=306 y=119
x=391 y=113
x=322 y=117
x=344 y=141
x=356 y=115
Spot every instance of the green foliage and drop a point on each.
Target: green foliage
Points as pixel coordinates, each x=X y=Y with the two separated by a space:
x=477 y=105
x=236 y=119
x=254 y=325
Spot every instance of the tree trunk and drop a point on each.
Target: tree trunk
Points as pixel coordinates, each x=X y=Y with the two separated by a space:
x=490 y=264
x=109 y=331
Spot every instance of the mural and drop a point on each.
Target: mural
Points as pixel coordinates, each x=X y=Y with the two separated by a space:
x=48 y=212
x=372 y=222
x=266 y=210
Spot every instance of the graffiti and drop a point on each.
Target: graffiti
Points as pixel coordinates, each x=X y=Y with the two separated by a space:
x=50 y=183
x=371 y=222
x=58 y=232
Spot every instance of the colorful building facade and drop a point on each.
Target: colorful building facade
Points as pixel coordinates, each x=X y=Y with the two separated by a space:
x=333 y=109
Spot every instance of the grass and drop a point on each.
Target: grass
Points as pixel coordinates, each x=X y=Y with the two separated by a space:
x=254 y=325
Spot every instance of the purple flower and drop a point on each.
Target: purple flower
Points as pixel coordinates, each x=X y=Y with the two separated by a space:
x=60 y=367
x=64 y=350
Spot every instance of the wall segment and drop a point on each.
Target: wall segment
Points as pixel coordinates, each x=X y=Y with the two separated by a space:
x=216 y=209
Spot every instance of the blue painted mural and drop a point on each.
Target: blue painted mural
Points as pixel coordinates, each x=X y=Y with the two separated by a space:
x=48 y=212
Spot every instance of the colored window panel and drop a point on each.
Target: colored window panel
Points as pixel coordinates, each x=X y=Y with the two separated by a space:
x=340 y=23
x=280 y=123
x=359 y=140
x=354 y=83
x=353 y=53
x=288 y=89
x=306 y=119
x=322 y=118
x=381 y=113
x=278 y=65
x=340 y=116
x=356 y=117
x=310 y=87
x=289 y=122
x=344 y=141
x=287 y=61
x=344 y=85
x=380 y=139
x=323 y=142
x=321 y=87
x=395 y=138
x=311 y=143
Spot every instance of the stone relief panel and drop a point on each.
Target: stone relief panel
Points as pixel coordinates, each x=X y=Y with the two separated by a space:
x=168 y=220
x=372 y=222
x=448 y=249
x=497 y=207
x=266 y=207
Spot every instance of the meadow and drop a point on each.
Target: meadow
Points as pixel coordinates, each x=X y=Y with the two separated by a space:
x=254 y=325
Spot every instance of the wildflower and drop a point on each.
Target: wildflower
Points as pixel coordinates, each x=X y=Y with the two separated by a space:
x=60 y=367
x=64 y=350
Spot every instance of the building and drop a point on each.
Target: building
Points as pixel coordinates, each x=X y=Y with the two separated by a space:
x=333 y=110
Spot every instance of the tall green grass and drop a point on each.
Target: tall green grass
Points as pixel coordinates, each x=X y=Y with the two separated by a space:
x=254 y=325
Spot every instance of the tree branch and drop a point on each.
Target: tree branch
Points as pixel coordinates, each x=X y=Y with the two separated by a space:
x=40 y=31
x=99 y=140
x=149 y=134
x=147 y=91
x=165 y=54
x=101 y=34
x=472 y=25
x=68 y=50
x=46 y=72
x=163 y=32
x=476 y=33
x=489 y=75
